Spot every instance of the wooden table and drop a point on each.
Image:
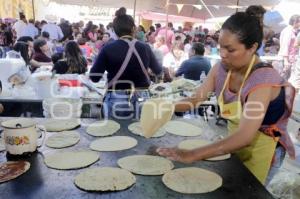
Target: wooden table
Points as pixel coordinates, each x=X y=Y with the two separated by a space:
x=41 y=182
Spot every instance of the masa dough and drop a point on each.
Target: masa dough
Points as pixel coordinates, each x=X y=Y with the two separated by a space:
x=146 y=164
x=192 y=180
x=71 y=159
x=103 y=128
x=104 y=179
x=196 y=143
x=114 y=143
x=136 y=129
x=182 y=128
x=155 y=114
x=63 y=139
x=55 y=125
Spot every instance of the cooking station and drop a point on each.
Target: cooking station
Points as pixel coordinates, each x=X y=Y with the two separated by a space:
x=43 y=182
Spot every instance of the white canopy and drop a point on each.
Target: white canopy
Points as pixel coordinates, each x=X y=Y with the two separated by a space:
x=190 y=8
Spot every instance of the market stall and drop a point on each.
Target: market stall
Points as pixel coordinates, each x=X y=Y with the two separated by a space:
x=43 y=182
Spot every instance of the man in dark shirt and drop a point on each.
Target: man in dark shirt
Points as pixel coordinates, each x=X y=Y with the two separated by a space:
x=192 y=68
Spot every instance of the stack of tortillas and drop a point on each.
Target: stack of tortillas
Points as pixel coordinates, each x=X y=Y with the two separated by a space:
x=11 y=170
x=105 y=179
x=63 y=139
x=155 y=114
x=182 y=128
x=136 y=129
x=114 y=143
x=55 y=125
x=146 y=164
x=192 y=180
x=196 y=143
x=103 y=128
x=71 y=159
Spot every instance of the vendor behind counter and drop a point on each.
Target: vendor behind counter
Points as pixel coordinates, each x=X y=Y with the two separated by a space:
x=127 y=62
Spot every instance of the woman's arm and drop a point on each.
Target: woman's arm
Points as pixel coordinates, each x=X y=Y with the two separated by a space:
x=201 y=94
x=36 y=64
x=253 y=115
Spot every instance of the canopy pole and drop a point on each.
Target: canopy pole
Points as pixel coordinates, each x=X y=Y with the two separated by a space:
x=167 y=19
x=237 y=5
x=134 y=9
x=210 y=13
x=33 y=10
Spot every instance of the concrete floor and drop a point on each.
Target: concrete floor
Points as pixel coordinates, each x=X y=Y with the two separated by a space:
x=286 y=183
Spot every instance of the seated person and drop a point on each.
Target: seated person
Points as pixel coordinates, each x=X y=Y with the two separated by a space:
x=192 y=68
x=73 y=61
x=41 y=50
x=86 y=49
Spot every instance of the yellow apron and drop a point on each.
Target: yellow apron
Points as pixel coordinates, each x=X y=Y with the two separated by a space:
x=258 y=156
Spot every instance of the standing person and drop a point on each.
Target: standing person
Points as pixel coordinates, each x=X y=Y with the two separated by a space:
x=252 y=96
x=168 y=33
x=54 y=30
x=193 y=67
x=30 y=30
x=19 y=26
x=127 y=62
x=73 y=62
x=288 y=49
x=140 y=34
x=160 y=44
x=151 y=35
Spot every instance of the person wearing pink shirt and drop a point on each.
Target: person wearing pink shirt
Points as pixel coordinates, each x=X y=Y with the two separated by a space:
x=160 y=44
x=168 y=33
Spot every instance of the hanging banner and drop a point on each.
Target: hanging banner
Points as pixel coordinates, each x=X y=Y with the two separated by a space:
x=179 y=7
x=199 y=7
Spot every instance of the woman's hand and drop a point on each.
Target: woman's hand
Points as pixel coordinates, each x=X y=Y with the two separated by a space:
x=185 y=156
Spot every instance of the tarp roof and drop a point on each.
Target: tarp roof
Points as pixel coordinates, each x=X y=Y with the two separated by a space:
x=218 y=8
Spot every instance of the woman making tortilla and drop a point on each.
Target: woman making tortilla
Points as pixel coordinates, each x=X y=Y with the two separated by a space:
x=252 y=96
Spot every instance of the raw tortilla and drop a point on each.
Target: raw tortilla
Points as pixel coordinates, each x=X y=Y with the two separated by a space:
x=63 y=139
x=136 y=128
x=182 y=128
x=103 y=128
x=71 y=159
x=55 y=125
x=12 y=170
x=192 y=180
x=193 y=144
x=155 y=114
x=146 y=164
x=104 y=179
x=115 y=143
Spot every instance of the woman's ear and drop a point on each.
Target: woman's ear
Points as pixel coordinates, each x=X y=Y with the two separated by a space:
x=254 y=48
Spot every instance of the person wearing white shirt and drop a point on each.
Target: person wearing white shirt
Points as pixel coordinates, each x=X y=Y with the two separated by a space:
x=20 y=26
x=30 y=30
x=54 y=30
x=288 y=50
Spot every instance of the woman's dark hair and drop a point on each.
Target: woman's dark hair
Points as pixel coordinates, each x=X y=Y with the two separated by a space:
x=22 y=48
x=142 y=28
x=152 y=29
x=256 y=11
x=56 y=57
x=37 y=44
x=123 y=24
x=246 y=27
x=74 y=57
